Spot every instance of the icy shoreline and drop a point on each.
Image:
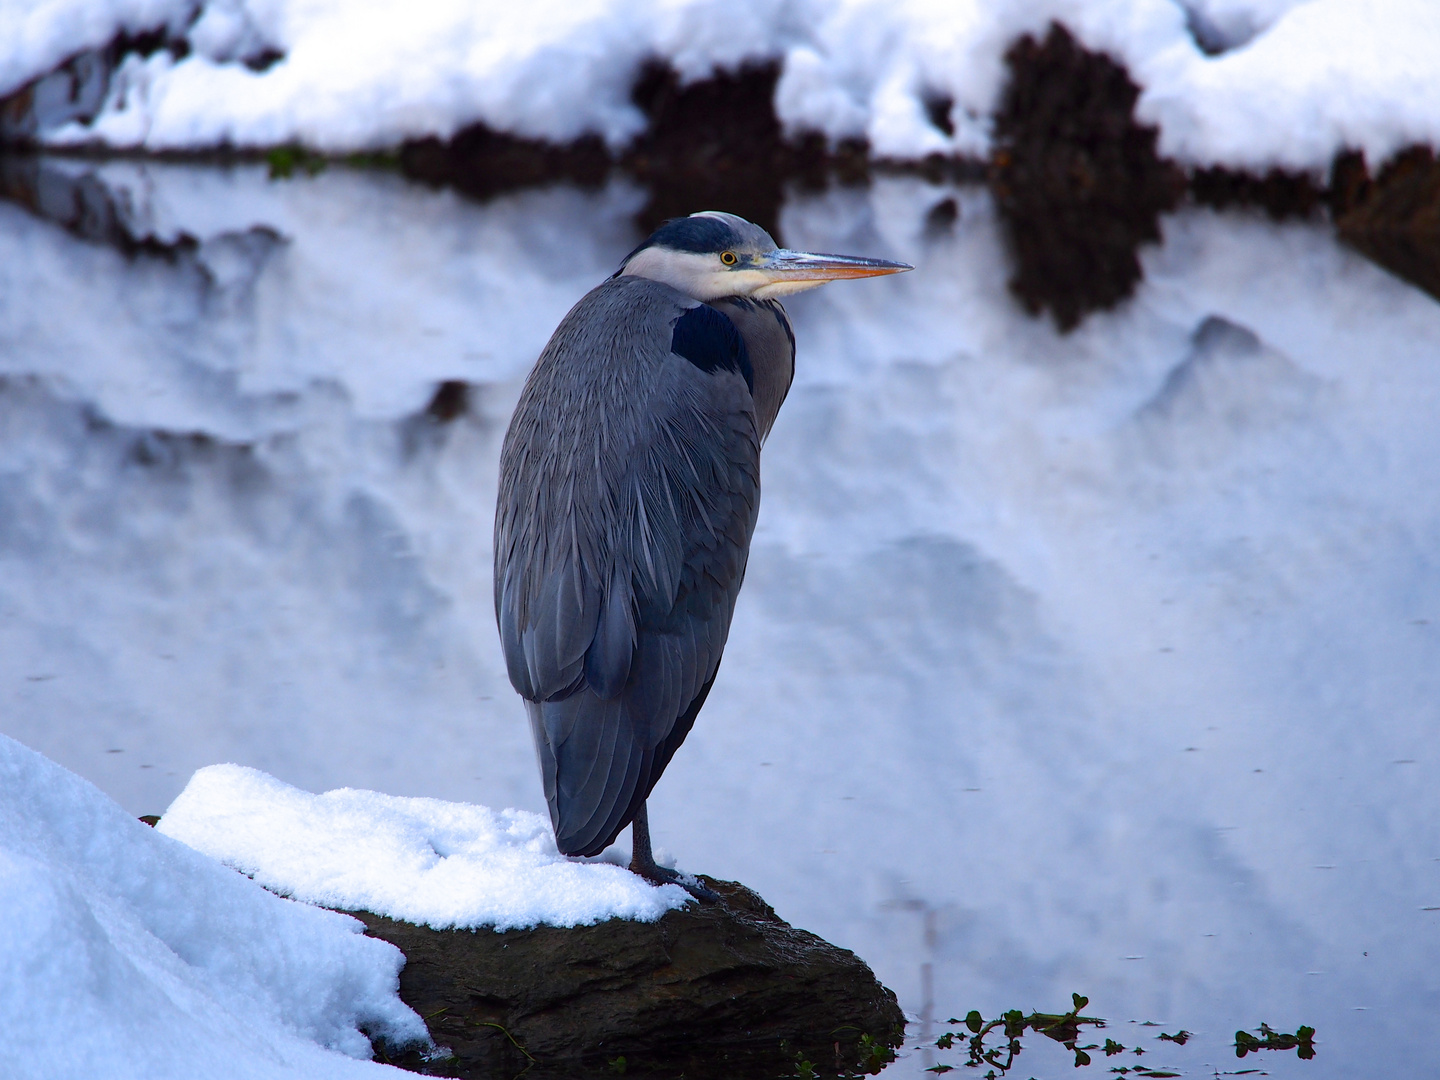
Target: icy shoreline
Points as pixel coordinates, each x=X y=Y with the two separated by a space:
x=1249 y=85
x=130 y=954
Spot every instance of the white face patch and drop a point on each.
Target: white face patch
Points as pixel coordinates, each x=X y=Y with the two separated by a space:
x=776 y=289
x=702 y=276
x=751 y=266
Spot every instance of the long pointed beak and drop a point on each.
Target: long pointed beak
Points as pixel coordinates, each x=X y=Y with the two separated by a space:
x=786 y=265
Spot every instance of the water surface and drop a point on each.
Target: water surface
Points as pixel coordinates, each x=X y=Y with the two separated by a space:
x=1104 y=662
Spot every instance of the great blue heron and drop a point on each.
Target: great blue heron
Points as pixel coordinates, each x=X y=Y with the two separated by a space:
x=629 y=484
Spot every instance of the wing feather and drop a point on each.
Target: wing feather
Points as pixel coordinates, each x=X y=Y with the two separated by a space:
x=629 y=489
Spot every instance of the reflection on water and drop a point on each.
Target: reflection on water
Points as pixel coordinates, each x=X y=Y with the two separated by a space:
x=1104 y=662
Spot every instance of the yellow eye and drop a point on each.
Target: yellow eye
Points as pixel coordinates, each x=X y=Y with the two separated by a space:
x=729 y=258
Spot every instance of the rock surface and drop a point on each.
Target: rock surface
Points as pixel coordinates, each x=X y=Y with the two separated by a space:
x=1077 y=180
x=1395 y=218
x=722 y=989
x=76 y=89
x=712 y=142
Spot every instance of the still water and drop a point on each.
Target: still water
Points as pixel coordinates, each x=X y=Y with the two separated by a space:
x=1105 y=662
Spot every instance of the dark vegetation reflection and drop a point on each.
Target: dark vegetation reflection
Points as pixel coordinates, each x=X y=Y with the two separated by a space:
x=1078 y=182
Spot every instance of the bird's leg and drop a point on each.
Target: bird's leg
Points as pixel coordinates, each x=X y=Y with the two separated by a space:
x=642 y=861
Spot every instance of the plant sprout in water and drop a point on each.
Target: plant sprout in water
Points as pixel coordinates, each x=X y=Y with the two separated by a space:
x=1009 y=1028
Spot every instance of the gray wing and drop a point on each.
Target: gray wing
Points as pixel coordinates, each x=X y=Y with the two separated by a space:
x=628 y=493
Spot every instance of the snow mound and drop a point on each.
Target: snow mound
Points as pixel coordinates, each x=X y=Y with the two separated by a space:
x=126 y=954
x=426 y=861
x=1245 y=83
x=1330 y=75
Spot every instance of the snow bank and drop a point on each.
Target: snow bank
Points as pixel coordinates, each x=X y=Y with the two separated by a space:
x=124 y=953
x=427 y=861
x=1293 y=81
x=1330 y=75
x=36 y=37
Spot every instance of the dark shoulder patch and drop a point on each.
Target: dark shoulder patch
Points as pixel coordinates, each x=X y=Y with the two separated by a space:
x=710 y=341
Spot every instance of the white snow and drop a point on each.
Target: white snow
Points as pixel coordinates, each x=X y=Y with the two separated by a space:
x=126 y=954
x=35 y=37
x=436 y=863
x=1329 y=75
x=1298 y=80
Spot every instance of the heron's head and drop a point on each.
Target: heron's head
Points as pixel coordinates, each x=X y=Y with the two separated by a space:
x=713 y=254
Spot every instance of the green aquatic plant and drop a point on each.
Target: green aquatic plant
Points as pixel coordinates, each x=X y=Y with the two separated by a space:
x=874 y=1054
x=1302 y=1042
x=1064 y=1028
x=1009 y=1028
x=373 y=159
x=284 y=160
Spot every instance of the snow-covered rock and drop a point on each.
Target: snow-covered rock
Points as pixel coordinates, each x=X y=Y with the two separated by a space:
x=713 y=992
x=1243 y=83
x=426 y=861
x=124 y=953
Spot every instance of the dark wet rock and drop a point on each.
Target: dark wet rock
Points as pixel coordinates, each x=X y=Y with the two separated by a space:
x=221 y=273
x=73 y=91
x=82 y=204
x=263 y=58
x=483 y=162
x=1394 y=218
x=429 y=428
x=76 y=89
x=450 y=401
x=941 y=218
x=939 y=110
x=712 y=144
x=717 y=143
x=1279 y=193
x=716 y=990
x=1077 y=180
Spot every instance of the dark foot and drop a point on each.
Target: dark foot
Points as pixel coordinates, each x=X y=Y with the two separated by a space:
x=642 y=862
x=663 y=875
